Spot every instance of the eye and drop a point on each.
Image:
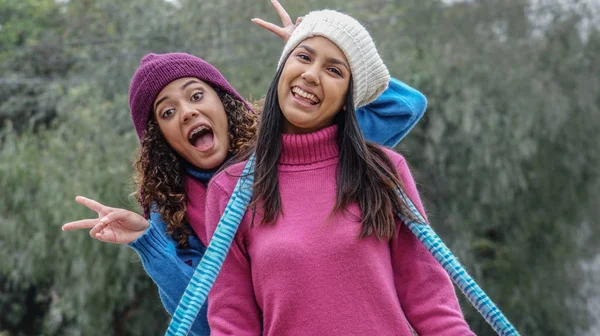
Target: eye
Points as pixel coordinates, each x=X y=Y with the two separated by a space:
x=167 y=113
x=303 y=57
x=335 y=71
x=197 y=95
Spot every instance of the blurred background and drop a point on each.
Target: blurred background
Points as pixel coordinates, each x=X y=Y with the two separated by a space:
x=506 y=156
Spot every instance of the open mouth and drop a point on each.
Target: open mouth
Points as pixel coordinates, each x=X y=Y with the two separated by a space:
x=202 y=137
x=304 y=96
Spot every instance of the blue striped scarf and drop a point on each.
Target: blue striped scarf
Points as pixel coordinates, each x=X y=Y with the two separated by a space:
x=205 y=275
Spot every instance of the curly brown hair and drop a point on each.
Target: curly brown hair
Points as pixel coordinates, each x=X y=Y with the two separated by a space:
x=160 y=171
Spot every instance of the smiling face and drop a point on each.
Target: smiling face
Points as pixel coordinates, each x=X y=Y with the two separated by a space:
x=192 y=119
x=313 y=85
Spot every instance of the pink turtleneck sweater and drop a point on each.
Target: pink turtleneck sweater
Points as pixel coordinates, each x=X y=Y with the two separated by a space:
x=310 y=275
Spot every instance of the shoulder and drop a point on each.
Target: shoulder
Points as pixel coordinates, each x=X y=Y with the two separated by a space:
x=396 y=158
x=399 y=162
x=224 y=181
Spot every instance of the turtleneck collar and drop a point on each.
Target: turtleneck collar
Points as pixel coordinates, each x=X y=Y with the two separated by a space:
x=302 y=149
x=200 y=174
x=203 y=175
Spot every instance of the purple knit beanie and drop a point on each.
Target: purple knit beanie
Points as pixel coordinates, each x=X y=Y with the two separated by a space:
x=158 y=70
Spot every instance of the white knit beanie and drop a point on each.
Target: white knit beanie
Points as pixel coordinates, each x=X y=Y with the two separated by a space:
x=369 y=73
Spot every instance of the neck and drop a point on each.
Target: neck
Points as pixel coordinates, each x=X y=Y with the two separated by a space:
x=300 y=149
x=203 y=175
x=289 y=128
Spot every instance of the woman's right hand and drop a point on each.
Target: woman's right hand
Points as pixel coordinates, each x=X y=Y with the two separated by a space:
x=287 y=27
x=113 y=225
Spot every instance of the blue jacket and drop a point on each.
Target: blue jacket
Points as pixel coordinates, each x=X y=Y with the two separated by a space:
x=384 y=121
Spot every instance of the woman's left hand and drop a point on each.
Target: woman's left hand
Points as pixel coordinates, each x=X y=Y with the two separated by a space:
x=113 y=225
x=287 y=26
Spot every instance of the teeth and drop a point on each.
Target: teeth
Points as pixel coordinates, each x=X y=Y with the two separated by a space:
x=198 y=130
x=305 y=94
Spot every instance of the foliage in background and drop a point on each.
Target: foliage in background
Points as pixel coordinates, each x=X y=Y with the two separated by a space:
x=60 y=282
x=506 y=156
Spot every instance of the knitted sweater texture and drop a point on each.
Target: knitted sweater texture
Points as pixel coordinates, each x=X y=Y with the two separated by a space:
x=310 y=274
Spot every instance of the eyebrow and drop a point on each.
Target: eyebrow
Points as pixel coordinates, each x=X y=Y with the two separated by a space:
x=329 y=59
x=188 y=83
x=160 y=101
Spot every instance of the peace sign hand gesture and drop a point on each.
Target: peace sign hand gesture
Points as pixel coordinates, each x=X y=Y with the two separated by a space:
x=113 y=225
x=287 y=26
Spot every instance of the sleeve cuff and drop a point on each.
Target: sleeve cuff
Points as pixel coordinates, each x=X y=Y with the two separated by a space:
x=151 y=243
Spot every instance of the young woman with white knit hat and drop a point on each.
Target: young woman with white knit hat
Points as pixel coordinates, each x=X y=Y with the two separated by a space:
x=320 y=250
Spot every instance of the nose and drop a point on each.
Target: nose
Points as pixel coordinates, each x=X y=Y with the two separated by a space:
x=189 y=114
x=310 y=76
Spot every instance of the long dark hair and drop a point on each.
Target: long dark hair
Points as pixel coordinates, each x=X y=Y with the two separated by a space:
x=160 y=171
x=364 y=173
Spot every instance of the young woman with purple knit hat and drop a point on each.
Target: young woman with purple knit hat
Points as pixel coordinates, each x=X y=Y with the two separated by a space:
x=190 y=121
x=320 y=250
